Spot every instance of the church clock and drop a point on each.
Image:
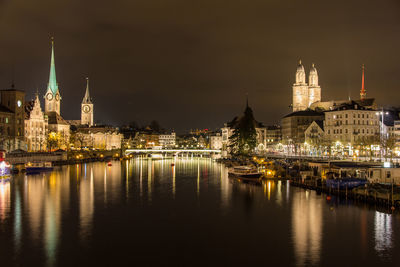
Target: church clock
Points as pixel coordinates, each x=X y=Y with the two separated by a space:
x=49 y=96
x=86 y=108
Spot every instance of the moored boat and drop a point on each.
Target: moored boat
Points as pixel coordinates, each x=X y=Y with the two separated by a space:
x=343 y=183
x=246 y=172
x=36 y=167
x=5 y=168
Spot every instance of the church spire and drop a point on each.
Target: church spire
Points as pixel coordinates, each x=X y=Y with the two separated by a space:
x=363 y=94
x=53 y=86
x=86 y=98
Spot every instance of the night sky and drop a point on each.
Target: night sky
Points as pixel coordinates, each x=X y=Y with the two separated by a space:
x=189 y=64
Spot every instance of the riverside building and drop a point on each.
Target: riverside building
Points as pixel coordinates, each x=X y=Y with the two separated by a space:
x=351 y=123
x=36 y=126
x=12 y=116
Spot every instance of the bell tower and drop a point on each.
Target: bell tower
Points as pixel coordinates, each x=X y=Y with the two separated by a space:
x=87 y=107
x=52 y=96
x=314 y=90
x=300 y=90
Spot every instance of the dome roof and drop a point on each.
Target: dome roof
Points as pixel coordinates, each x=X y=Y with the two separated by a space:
x=300 y=67
x=313 y=69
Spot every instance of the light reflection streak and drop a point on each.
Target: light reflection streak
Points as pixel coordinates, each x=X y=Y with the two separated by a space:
x=17 y=221
x=86 y=205
x=149 y=176
x=5 y=199
x=383 y=232
x=307 y=228
x=198 y=177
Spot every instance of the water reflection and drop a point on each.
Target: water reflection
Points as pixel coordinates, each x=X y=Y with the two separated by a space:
x=306 y=227
x=86 y=203
x=383 y=232
x=49 y=212
x=5 y=200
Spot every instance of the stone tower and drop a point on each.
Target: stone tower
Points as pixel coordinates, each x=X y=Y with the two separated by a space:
x=314 y=90
x=300 y=90
x=52 y=96
x=87 y=107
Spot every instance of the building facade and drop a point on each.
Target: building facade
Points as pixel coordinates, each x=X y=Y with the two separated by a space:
x=12 y=115
x=216 y=141
x=167 y=140
x=36 y=126
x=350 y=124
x=295 y=124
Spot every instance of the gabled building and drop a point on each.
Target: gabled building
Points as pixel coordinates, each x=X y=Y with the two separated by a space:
x=36 y=126
x=294 y=125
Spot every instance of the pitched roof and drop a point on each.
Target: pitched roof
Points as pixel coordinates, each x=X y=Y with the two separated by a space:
x=365 y=102
x=302 y=113
x=54 y=118
x=5 y=109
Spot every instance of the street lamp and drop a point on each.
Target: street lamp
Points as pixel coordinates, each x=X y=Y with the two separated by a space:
x=382 y=113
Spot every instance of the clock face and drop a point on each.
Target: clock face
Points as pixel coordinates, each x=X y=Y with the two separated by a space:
x=57 y=97
x=86 y=109
x=19 y=103
x=49 y=96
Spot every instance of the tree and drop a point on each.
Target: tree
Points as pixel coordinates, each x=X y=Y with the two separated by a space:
x=244 y=137
x=53 y=140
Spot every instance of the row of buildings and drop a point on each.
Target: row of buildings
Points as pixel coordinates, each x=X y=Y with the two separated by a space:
x=324 y=127
x=24 y=125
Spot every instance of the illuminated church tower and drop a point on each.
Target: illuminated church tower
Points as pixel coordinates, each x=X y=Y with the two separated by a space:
x=87 y=107
x=52 y=96
x=305 y=94
x=300 y=90
x=314 y=90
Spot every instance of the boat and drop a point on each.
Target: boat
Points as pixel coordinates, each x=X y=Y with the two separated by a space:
x=343 y=183
x=244 y=172
x=36 y=167
x=5 y=167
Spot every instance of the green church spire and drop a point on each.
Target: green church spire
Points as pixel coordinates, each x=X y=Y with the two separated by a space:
x=53 y=86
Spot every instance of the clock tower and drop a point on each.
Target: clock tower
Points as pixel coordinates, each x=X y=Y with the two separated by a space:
x=52 y=96
x=87 y=107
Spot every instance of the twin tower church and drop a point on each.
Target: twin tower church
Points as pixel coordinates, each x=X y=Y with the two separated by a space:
x=305 y=94
x=53 y=97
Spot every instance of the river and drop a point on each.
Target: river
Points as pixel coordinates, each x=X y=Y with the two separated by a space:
x=147 y=212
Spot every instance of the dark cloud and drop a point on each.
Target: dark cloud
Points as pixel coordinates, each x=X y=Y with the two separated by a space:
x=190 y=63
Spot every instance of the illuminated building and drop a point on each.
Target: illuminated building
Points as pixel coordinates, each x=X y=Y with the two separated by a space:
x=36 y=123
x=294 y=125
x=305 y=94
x=350 y=123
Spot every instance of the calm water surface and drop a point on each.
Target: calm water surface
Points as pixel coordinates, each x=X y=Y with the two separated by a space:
x=145 y=212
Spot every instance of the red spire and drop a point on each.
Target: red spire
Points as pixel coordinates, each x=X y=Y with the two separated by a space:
x=363 y=94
